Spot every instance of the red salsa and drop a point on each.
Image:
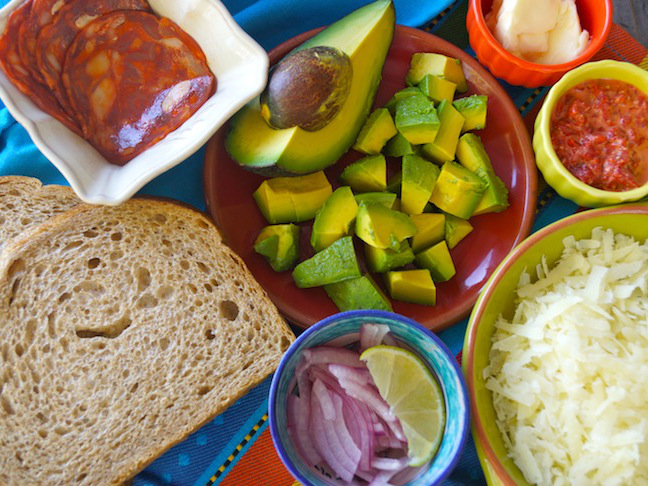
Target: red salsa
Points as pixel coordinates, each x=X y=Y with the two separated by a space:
x=599 y=130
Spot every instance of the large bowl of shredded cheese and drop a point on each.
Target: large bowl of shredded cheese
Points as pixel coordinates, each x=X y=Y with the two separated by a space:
x=556 y=355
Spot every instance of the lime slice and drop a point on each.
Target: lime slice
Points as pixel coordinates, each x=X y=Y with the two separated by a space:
x=414 y=396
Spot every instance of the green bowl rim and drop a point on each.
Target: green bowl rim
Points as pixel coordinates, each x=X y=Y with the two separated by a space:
x=480 y=434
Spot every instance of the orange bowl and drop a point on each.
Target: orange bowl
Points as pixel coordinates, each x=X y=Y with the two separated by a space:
x=595 y=17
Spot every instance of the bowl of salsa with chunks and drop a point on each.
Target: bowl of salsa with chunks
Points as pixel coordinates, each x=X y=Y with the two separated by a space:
x=591 y=135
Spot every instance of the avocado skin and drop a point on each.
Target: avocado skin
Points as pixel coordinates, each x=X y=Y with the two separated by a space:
x=336 y=263
x=358 y=293
x=307 y=88
x=365 y=36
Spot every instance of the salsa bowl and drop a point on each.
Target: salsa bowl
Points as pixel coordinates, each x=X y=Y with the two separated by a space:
x=553 y=170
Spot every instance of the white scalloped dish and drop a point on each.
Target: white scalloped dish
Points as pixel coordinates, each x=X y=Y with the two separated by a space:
x=238 y=62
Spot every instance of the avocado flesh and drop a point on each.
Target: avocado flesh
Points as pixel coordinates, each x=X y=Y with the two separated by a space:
x=456 y=229
x=335 y=219
x=397 y=146
x=375 y=133
x=292 y=199
x=431 y=229
x=381 y=260
x=365 y=36
x=438 y=261
x=415 y=286
x=368 y=174
x=387 y=199
x=473 y=109
x=419 y=177
x=358 y=293
x=336 y=263
x=424 y=63
x=473 y=156
x=279 y=244
x=437 y=89
x=457 y=191
x=444 y=147
x=381 y=227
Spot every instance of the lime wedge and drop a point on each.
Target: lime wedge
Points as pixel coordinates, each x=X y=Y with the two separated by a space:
x=414 y=396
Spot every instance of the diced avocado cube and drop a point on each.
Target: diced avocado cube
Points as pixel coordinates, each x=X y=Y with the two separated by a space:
x=417 y=120
x=457 y=190
x=368 y=174
x=424 y=63
x=373 y=136
x=382 y=227
x=398 y=146
x=381 y=260
x=437 y=88
x=335 y=219
x=279 y=245
x=445 y=144
x=358 y=293
x=387 y=199
x=456 y=229
x=473 y=109
x=394 y=183
x=419 y=177
x=334 y=264
x=472 y=155
x=400 y=95
x=430 y=230
x=438 y=261
x=292 y=199
x=415 y=286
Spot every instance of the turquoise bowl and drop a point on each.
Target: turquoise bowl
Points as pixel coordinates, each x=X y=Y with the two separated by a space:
x=342 y=329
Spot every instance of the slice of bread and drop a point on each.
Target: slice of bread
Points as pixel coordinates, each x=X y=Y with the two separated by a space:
x=123 y=330
x=26 y=202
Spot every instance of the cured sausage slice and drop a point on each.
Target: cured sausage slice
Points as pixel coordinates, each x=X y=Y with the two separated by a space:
x=41 y=13
x=19 y=75
x=55 y=37
x=132 y=78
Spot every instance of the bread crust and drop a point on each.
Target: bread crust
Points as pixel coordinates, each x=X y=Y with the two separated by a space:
x=50 y=238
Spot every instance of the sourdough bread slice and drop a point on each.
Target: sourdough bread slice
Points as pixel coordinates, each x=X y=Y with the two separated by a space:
x=26 y=202
x=123 y=330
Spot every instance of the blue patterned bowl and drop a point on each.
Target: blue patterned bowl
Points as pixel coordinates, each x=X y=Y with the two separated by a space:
x=342 y=329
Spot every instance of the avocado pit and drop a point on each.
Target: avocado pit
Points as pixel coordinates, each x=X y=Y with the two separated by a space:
x=307 y=88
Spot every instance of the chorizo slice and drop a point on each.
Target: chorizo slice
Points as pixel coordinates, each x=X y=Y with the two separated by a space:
x=132 y=78
x=17 y=72
x=42 y=12
x=55 y=38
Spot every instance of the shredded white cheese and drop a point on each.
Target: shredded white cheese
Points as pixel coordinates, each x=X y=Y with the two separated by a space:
x=569 y=372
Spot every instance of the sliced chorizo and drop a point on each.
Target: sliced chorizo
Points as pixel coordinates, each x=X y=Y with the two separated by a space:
x=132 y=78
x=42 y=12
x=18 y=73
x=55 y=38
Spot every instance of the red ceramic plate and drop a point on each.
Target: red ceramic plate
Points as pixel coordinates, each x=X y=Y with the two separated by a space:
x=229 y=188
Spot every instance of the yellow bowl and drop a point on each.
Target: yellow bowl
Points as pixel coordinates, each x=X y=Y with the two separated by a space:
x=498 y=297
x=554 y=172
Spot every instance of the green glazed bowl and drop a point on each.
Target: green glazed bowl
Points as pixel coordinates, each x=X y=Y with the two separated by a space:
x=554 y=172
x=498 y=297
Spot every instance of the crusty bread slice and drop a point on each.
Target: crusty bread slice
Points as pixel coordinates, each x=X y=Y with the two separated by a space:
x=122 y=330
x=26 y=202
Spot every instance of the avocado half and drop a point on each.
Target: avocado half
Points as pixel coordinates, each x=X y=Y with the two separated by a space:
x=365 y=36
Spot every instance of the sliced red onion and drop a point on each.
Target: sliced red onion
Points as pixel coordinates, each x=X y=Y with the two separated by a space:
x=302 y=437
x=343 y=434
x=372 y=335
x=328 y=444
x=389 y=340
x=357 y=375
x=389 y=464
x=325 y=400
x=361 y=430
x=326 y=355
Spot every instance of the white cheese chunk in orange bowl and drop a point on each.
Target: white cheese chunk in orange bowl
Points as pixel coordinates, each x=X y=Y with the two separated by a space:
x=561 y=304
